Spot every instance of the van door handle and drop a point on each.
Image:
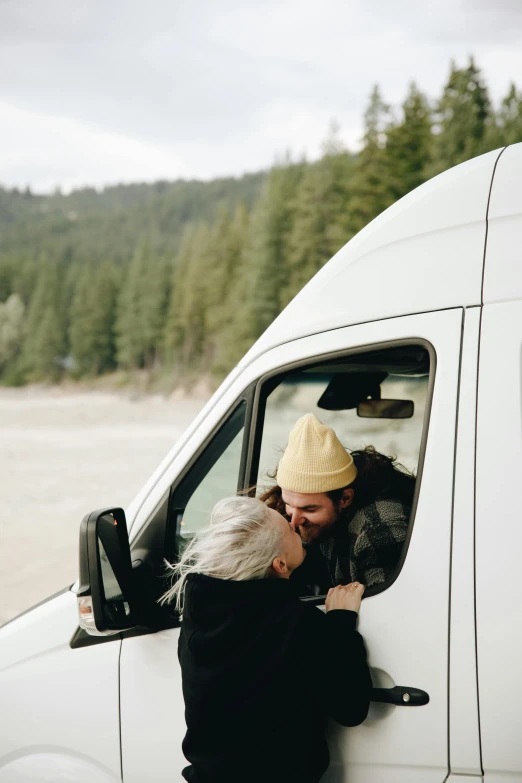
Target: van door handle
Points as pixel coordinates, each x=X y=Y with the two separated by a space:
x=401 y=696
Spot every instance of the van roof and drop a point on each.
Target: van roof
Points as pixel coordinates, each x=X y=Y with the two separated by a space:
x=426 y=252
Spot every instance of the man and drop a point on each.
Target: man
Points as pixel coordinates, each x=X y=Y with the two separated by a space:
x=351 y=510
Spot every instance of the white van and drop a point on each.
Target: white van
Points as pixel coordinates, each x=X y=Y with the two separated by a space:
x=425 y=304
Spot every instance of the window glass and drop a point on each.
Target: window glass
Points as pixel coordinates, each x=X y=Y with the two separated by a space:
x=300 y=392
x=215 y=474
x=375 y=402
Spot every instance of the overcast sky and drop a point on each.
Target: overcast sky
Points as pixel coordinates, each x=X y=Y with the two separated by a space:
x=104 y=91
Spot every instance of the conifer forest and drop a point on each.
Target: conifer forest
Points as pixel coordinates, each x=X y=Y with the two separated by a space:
x=178 y=278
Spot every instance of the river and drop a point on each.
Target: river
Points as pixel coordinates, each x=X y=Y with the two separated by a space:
x=64 y=453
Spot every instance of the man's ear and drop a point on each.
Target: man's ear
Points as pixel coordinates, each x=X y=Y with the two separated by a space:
x=347 y=498
x=279 y=566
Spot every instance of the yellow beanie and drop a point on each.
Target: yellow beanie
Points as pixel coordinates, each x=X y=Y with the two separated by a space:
x=314 y=460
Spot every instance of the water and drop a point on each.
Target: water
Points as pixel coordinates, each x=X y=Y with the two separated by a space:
x=62 y=455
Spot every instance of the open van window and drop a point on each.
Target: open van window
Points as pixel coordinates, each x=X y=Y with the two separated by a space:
x=373 y=398
x=375 y=402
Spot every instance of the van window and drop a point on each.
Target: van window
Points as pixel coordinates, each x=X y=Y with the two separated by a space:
x=214 y=475
x=373 y=399
x=350 y=395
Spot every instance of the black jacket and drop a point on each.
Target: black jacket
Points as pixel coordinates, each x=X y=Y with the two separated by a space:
x=261 y=670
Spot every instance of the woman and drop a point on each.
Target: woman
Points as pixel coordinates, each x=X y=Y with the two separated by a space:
x=261 y=670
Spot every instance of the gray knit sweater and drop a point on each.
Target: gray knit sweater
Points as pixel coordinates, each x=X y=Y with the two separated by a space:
x=367 y=546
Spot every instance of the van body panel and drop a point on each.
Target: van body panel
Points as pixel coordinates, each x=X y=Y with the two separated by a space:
x=152 y=708
x=465 y=779
x=502 y=276
x=47 y=765
x=499 y=540
x=464 y=719
x=58 y=707
x=424 y=253
x=392 y=744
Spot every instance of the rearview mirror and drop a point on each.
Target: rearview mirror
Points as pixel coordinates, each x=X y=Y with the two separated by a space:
x=345 y=390
x=385 y=409
x=105 y=602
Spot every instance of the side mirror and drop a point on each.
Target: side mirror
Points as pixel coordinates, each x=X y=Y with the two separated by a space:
x=385 y=409
x=105 y=594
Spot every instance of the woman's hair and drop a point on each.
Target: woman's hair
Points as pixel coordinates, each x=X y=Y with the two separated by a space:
x=240 y=543
x=378 y=478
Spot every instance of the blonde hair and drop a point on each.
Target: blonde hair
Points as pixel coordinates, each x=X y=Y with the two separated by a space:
x=240 y=543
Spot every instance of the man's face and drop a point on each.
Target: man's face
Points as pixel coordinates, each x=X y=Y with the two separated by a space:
x=313 y=516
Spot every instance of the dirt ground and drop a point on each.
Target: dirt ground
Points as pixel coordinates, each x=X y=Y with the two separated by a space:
x=64 y=453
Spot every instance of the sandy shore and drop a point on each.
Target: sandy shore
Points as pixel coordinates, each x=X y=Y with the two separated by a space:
x=64 y=453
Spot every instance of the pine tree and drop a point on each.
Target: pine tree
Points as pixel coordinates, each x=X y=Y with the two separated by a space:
x=43 y=349
x=227 y=240
x=129 y=343
x=320 y=225
x=409 y=145
x=371 y=192
x=463 y=116
x=185 y=322
x=508 y=120
x=141 y=311
x=154 y=311
x=12 y=326
x=259 y=287
x=91 y=334
x=174 y=323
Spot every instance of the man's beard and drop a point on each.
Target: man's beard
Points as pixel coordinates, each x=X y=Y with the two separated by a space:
x=311 y=534
x=318 y=532
x=321 y=532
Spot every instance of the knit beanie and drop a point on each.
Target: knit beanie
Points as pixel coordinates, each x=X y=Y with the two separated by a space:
x=314 y=460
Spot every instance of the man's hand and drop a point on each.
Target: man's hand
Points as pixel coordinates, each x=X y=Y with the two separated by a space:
x=345 y=597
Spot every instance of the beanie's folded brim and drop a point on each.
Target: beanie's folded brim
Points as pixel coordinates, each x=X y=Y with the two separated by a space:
x=310 y=483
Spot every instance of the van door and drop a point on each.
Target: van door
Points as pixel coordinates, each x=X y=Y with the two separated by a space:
x=404 y=620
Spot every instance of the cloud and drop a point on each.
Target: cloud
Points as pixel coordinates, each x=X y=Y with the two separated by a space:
x=202 y=88
x=58 y=151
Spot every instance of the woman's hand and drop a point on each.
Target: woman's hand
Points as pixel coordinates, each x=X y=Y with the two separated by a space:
x=345 y=597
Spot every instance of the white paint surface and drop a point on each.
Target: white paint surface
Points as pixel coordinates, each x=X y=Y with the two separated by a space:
x=499 y=541
x=58 y=706
x=503 y=272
